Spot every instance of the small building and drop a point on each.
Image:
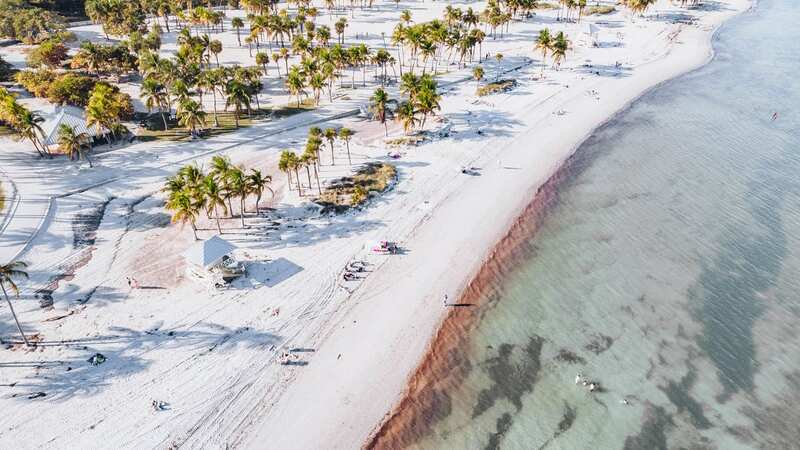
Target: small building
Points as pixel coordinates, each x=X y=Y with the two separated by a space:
x=72 y=117
x=590 y=32
x=213 y=260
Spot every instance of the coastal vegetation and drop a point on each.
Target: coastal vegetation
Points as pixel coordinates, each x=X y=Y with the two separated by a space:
x=353 y=191
x=495 y=87
x=192 y=192
x=9 y=273
x=601 y=9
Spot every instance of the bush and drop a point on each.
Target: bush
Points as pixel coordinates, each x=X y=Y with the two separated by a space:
x=495 y=87
x=601 y=9
x=30 y=25
x=37 y=82
x=72 y=89
x=49 y=53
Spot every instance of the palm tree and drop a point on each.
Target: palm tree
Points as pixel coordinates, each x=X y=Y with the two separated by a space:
x=407 y=115
x=238 y=96
x=155 y=96
x=213 y=198
x=262 y=59
x=215 y=48
x=183 y=209
x=330 y=134
x=220 y=166
x=284 y=166
x=191 y=116
x=379 y=99
x=237 y=23
x=256 y=183
x=210 y=80
x=72 y=143
x=544 y=43
x=477 y=74
x=8 y=272
x=316 y=82
x=426 y=102
x=560 y=47
x=295 y=83
x=237 y=184
x=346 y=134
x=498 y=57
x=26 y=126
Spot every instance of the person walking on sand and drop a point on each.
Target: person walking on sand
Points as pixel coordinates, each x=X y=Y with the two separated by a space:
x=445 y=301
x=129 y=281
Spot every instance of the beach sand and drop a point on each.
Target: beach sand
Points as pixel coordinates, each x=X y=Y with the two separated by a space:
x=213 y=356
x=343 y=403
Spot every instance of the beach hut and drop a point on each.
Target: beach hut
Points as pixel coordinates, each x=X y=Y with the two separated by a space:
x=72 y=117
x=212 y=260
x=590 y=32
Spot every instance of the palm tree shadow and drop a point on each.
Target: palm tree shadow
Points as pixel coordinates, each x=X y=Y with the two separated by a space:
x=125 y=352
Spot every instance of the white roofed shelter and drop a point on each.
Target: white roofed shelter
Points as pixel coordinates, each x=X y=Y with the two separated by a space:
x=208 y=253
x=72 y=117
x=212 y=259
x=590 y=31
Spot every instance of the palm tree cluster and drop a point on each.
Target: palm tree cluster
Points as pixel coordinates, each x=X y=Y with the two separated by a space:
x=75 y=144
x=557 y=46
x=290 y=163
x=191 y=74
x=106 y=109
x=567 y=6
x=640 y=6
x=423 y=100
x=191 y=191
x=25 y=124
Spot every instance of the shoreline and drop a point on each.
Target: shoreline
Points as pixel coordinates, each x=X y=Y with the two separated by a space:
x=400 y=348
x=444 y=364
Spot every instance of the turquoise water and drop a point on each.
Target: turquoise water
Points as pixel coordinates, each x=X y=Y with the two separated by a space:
x=667 y=269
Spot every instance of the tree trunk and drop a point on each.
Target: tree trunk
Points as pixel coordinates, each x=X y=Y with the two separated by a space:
x=241 y=207
x=194 y=230
x=11 y=307
x=216 y=215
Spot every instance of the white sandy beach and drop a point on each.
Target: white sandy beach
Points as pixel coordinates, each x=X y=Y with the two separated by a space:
x=213 y=356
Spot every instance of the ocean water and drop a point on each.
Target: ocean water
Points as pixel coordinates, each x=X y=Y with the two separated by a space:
x=667 y=268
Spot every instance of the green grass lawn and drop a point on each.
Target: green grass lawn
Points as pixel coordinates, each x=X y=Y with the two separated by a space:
x=227 y=122
x=2 y=199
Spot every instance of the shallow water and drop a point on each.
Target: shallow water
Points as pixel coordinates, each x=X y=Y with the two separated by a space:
x=666 y=269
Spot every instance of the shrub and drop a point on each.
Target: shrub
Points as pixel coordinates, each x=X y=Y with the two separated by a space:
x=601 y=9
x=30 y=25
x=37 y=82
x=495 y=87
x=72 y=89
x=49 y=53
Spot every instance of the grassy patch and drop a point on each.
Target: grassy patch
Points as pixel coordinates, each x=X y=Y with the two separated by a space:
x=601 y=9
x=2 y=199
x=546 y=6
x=411 y=140
x=348 y=192
x=227 y=122
x=495 y=87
